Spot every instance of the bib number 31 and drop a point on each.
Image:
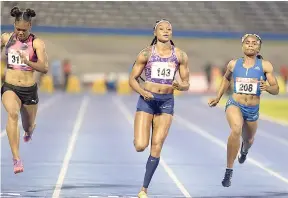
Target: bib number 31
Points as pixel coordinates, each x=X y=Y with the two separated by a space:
x=15 y=59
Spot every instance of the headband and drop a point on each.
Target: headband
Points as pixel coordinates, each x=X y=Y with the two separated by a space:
x=256 y=35
x=160 y=21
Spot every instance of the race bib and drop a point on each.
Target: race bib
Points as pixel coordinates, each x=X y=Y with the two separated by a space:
x=15 y=59
x=246 y=85
x=162 y=70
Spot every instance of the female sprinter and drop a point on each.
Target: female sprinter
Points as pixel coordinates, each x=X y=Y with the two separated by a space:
x=242 y=109
x=155 y=107
x=24 y=54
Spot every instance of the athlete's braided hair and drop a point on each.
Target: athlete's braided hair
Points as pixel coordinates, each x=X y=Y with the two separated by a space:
x=259 y=39
x=154 y=41
x=19 y=15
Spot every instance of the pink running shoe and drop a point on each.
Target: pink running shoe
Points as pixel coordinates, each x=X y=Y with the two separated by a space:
x=27 y=138
x=18 y=166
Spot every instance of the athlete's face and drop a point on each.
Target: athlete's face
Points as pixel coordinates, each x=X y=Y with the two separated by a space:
x=251 y=46
x=22 y=29
x=163 y=32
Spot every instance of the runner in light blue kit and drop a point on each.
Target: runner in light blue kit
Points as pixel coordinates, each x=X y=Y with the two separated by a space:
x=247 y=83
x=160 y=61
x=242 y=109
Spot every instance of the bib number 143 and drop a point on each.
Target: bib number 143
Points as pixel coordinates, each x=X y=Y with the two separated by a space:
x=162 y=71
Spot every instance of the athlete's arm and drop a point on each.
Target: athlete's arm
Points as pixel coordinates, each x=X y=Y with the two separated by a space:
x=226 y=79
x=2 y=42
x=4 y=39
x=42 y=64
x=273 y=87
x=184 y=71
x=137 y=70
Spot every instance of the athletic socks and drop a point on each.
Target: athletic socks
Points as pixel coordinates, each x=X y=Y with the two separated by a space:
x=151 y=166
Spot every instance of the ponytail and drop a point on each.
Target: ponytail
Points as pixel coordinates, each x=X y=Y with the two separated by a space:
x=259 y=56
x=154 y=41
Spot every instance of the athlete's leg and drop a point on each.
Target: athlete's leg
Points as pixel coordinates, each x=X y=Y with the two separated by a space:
x=28 y=115
x=161 y=125
x=235 y=120
x=142 y=125
x=248 y=134
x=29 y=110
x=12 y=104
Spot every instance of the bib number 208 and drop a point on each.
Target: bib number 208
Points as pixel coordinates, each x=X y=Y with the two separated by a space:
x=246 y=87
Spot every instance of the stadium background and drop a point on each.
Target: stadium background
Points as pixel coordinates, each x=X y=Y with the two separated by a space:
x=102 y=39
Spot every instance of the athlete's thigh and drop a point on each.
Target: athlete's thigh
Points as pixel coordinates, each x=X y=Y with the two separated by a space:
x=249 y=129
x=161 y=126
x=142 y=126
x=234 y=117
x=11 y=102
x=28 y=115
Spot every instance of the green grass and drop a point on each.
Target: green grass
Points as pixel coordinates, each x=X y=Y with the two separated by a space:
x=277 y=109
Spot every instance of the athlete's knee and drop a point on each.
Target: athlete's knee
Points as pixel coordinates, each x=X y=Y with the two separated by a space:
x=140 y=146
x=13 y=115
x=236 y=130
x=249 y=141
x=157 y=145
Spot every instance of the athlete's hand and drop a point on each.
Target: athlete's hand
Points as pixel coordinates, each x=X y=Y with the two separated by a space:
x=213 y=102
x=263 y=85
x=147 y=95
x=23 y=57
x=176 y=85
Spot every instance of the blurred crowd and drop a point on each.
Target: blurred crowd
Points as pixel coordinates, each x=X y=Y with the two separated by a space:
x=61 y=70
